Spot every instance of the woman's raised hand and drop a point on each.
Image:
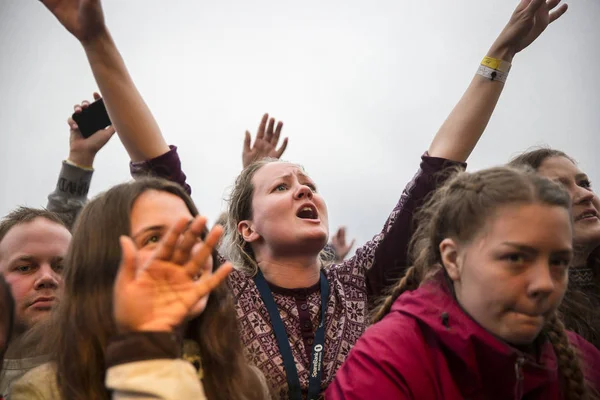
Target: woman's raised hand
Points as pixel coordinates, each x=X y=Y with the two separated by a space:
x=173 y=285
x=528 y=21
x=83 y=18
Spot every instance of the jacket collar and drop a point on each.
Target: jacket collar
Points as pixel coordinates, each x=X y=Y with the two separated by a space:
x=477 y=359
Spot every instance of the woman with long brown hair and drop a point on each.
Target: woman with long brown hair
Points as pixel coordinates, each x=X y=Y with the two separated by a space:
x=81 y=328
x=475 y=317
x=298 y=316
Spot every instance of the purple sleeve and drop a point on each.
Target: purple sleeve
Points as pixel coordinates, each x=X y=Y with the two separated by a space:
x=391 y=256
x=167 y=166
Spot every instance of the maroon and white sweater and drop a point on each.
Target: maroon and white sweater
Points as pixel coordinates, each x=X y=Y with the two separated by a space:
x=347 y=310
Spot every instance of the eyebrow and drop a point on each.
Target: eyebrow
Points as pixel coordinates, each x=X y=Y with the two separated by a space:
x=24 y=258
x=29 y=258
x=284 y=176
x=580 y=177
x=531 y=250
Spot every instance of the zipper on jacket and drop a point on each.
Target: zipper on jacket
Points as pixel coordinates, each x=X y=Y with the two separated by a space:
x=519 y=375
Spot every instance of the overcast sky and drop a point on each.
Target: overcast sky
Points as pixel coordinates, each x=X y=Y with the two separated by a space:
x=362 y=87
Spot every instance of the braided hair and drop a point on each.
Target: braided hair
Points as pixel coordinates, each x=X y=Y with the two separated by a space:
x=460 y=209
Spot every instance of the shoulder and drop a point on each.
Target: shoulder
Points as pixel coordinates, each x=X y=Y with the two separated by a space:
x=39 y=383
x=381 y=340
x=391 y=360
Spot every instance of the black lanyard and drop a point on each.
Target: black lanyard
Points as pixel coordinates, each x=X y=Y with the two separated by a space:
x=316 y=364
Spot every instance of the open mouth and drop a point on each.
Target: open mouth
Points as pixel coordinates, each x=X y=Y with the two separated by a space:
x=307 y=211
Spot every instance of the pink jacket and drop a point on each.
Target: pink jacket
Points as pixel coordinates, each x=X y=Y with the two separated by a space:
x=427 y=347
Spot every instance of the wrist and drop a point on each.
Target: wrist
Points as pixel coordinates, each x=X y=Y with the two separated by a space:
x=96 y=39
x=503 y=53
x=82 y=160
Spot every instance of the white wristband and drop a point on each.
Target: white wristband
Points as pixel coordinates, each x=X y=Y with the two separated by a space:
x=492 y=74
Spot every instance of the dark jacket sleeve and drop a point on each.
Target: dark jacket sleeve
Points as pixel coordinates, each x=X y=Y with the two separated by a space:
x=167 y=166
x=391 y=256
x=70 y=194
x=142 y=346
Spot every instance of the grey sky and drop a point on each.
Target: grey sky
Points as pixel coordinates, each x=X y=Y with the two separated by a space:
x=361 y=86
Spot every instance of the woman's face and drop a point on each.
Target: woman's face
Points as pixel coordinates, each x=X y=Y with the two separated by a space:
x=513 y=275
x=586 y=205
x=289 y=216
x=153 y=213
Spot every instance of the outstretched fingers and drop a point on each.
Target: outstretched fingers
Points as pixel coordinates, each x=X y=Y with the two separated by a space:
x=282 y=148
x=167 y=245
x=269 y=133
x=534 y=6
x=182 y=251
x=128 y=266
x=204 y=250
x=559 y=12
x=261 y=128
x=209 y=281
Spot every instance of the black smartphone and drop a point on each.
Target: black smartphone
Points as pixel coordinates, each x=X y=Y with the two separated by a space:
x=92 y=119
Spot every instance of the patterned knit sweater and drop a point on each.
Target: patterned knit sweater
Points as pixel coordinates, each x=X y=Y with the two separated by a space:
x=347 y=308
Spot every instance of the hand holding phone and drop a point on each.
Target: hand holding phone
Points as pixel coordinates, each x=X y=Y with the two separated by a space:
x=92 y=118
x=89 y=134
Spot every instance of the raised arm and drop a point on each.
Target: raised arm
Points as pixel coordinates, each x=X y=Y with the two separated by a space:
x=457 y=138
x=463 y=128
x=70 y=194
x=130 y=115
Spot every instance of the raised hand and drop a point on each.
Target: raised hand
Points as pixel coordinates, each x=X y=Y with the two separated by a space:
x=338 y=242
x=172 y=285
x=265 y=143
x=83 y=18
x=529 y=20
x=82 y=151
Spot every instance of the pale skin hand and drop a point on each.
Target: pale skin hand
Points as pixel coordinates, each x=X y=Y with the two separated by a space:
x=131 y=117
x=165 y=291
x=338 y=242
x=82 y=151
x=529 y=20
x=265 y=144
x=463 y=128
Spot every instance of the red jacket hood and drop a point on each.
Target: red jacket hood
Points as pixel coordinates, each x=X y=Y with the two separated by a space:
x=476 y=357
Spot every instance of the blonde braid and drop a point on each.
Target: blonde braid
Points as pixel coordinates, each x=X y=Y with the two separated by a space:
x=410 y=281
x=568 y=360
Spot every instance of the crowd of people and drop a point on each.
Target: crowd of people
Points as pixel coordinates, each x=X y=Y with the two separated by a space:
x=480 y=285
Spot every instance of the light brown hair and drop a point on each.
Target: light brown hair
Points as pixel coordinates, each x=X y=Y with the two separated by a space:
x=233 y=246
x=23 y=215
x=82 y=324
x=460 y=210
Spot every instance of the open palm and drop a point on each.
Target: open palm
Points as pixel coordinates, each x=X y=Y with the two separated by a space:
x=173 y=285
x=529 y=20
x=339 y=244
x=265 y=144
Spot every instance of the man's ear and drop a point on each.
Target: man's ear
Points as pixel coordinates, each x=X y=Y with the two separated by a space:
x=246 y=229
x=450 y=258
